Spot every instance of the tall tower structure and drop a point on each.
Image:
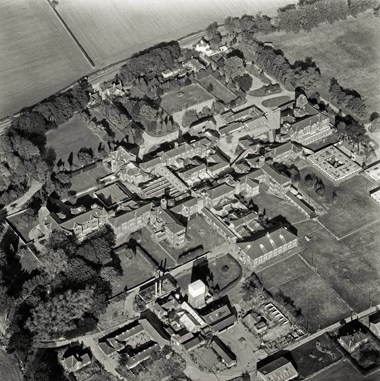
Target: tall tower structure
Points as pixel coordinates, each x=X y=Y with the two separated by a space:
x=197 y=294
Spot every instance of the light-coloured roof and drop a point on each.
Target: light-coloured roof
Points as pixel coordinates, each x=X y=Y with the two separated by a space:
x=197 y=288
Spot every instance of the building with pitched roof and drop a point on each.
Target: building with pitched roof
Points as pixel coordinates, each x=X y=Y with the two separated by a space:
x=280 y=369
x=75 y=362
x=189 y=207
x=278 y=182
x=248 y=185
x=220 y=318
x=266 y=245
x=128 y=222
x=226 y=355
x=167 y=226
x=374 y=323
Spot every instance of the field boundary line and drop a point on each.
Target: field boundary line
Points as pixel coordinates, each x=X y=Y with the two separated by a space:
x=72 y=35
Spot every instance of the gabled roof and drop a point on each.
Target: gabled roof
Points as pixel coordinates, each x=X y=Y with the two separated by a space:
x=275 y=175
x=219 y=191
x=171 y=222
x=265 y=242
x=279 y=369
x=129 y=216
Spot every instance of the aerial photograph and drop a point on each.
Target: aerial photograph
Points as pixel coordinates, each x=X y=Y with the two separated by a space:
x=189 y=190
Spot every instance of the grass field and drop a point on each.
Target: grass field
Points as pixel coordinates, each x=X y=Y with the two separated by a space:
x=320 y=304
x=343 y=371
x=353 y=207
x=115 y=29
x=70 y=137
x=309 y=359
x=136 y=271
x=38 y=56
x=350 y=53
x=187 y=97
x=219 y=90
x=275 y=206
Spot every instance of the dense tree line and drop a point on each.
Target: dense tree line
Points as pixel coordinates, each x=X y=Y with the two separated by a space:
x=348 y=99
x=309 y=14
x=152 y=61
x=249 y=24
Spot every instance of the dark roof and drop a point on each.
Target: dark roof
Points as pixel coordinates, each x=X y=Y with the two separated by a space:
x=224 y=324
x=223 y=351
x=375 y=318
x=275 y=175
x=273 y=365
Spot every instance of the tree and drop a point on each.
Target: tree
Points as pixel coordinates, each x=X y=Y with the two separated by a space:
x=57 y=315
x=234 y=66
x=211 y=30
x=54 y=261
x=189 y=117
x=244 y=81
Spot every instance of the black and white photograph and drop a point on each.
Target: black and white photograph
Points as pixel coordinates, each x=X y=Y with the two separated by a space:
x=189 y=190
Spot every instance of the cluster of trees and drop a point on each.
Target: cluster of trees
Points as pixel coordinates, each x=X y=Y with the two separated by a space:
x=121 y=121
x=313 y=181
x=309 y=14
x=23 y=151
x=244 y=81
x=147 y=113
x=347 y=99
x=151 y=62
x=63 y=297
x=304 y=74
x=249 y=24
x=191 y=115
x=271 y=88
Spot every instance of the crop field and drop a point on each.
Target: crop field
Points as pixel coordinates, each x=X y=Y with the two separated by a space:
x=355 y=41
x=352 y=209
x=38 y=56
x=115 y=29
x=219 y=91
x=189 y=96
x=70 y=137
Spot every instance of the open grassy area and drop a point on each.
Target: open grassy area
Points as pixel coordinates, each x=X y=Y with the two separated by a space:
x=319 y=303
x=70 y=137
x=275 y=206
x=187 y=97
x=309 y=359
x=39 y=57
x=136 y=270
x=219 y=91
x=343 y=371
x=356 y=277
x=352 y=209
x=349 y=53
x=283 y=272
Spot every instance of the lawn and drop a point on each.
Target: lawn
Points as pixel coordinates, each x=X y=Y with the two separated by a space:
x=353 y=207
x=275 y=206
x=322 y=248
x=275 y=101
x=219 y=91
x=83 y=180
x=352 y=41
x=70 y=137
x=310 y=358
x=356 y=277
x=188 y=97
x=283 y=272
x=39 y=57
x=321 y=306
x=136 y=271
x=343 y=371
